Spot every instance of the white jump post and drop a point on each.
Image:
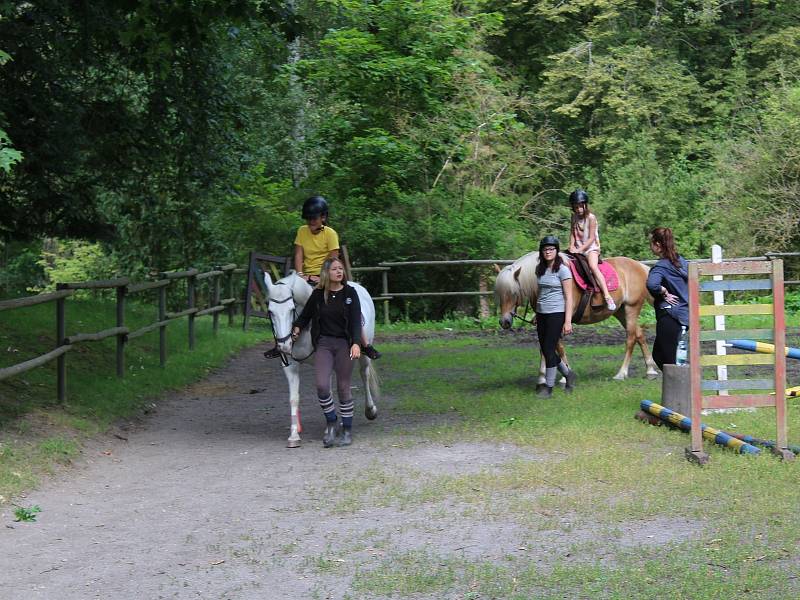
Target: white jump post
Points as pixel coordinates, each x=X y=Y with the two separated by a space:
x=719 y=320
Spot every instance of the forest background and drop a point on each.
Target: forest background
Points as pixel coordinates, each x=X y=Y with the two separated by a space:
x=140 y=136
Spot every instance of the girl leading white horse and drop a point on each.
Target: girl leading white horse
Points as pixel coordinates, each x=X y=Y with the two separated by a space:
x=287 y=298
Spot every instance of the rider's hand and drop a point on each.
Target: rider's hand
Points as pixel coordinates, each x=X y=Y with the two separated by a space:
x=567 y=329
x=355 y=352
x=295 y=333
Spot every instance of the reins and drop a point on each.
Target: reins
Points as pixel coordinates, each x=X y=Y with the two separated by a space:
x=279 y=340
x=522 y=318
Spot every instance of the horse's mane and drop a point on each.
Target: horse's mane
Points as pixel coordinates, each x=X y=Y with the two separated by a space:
x=524 y=286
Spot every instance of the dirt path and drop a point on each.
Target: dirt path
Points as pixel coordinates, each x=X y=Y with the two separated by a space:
x=203 y=500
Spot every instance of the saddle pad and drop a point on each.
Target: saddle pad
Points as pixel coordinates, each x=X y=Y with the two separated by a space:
x=612 y=280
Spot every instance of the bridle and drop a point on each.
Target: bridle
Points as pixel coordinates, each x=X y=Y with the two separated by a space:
x=280 y=340
x=514 y=315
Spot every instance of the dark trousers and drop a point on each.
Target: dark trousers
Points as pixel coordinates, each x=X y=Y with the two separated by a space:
x=333 y=355
x=668 y=332
x=548 y=328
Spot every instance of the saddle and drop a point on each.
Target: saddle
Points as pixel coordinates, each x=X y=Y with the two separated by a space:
x=585 y=279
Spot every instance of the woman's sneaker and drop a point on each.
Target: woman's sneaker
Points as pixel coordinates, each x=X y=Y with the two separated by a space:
x=371 y=352
x=610 y=303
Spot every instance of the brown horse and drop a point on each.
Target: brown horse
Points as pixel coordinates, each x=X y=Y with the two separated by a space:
x=516 y=284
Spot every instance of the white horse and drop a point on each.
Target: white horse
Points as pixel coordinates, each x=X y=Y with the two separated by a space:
x=287 y=297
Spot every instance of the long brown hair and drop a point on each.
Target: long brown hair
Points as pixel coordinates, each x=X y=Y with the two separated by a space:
x=325 y=277
x=663 y=237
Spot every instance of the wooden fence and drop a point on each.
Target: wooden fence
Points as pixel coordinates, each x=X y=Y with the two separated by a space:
x=386 y=267
x=216 y=306
x=123 y=289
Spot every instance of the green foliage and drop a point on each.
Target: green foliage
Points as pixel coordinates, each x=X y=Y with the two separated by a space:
x=26 y=514
x=756 y=198
x=637 y=193
x=65 y=261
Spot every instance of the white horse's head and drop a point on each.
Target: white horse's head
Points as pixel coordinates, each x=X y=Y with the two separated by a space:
x=287 y=297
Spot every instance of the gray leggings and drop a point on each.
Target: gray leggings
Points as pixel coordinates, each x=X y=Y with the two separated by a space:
x=333 y=355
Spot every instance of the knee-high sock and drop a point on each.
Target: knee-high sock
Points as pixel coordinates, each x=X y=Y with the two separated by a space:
x=346 y=410
x=550 y=376
x=328 y=408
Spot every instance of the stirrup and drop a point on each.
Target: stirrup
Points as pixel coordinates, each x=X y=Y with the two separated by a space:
x=272 y=353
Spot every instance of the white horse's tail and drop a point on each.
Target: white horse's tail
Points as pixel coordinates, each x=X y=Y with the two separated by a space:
x=374 y=381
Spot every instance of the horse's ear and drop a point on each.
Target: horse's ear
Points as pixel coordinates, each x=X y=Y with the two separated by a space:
x=268 y=282
x=516 y=274
x=496 y=268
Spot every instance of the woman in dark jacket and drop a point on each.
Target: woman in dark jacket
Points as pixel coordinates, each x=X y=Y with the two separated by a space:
x=334 y=312
x=668 y=284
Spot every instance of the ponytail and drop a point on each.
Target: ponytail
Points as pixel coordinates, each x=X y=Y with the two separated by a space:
x=663 y=237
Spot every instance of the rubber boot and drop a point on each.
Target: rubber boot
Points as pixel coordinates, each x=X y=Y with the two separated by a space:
x=329 y=437
x=571 y=377
x=345 y=437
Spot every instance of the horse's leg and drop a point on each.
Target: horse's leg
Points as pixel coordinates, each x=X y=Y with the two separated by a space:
x=292 y=373
x=541 y=382
x=369 y=380
x=629 y=319
x=652 y=368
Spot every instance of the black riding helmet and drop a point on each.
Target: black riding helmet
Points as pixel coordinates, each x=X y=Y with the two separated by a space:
x=550 y=240
x=315 y=206
x=579 y=197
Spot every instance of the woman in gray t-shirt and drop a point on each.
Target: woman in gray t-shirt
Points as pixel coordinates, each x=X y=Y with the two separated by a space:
x=553 y=311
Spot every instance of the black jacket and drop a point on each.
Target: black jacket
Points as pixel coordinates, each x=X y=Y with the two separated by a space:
x=352 y=315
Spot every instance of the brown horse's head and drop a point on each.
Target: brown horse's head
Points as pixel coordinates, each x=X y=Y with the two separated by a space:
x=508 y=294
x=516 y=285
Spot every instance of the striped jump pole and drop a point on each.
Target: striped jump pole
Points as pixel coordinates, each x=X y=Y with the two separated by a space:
x=763 y=347
x=709 y=433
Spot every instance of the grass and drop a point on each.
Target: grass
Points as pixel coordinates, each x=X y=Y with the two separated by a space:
x=37 y=434
x=598 y=470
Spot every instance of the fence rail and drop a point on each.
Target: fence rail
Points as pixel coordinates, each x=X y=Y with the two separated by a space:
x=216 y=306
x=386 y=267
x=123 y=288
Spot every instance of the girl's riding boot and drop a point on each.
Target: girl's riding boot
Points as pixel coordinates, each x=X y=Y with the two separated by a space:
x=370 y=351
x=329 y=437
x=345 y=438
x=570 y=376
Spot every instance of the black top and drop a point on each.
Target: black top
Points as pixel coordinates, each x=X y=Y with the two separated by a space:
x=331 y=316
x=341 y=317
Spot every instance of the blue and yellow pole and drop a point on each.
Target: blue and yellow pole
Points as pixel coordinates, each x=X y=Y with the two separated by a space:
x=709 y=433
x=763 y=347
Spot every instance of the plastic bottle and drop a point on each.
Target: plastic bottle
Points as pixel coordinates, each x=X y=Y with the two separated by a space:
x=682 y=354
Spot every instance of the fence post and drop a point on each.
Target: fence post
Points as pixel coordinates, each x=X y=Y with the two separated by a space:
x=190 y=292
x=385 y=292
x=121 y=337
x=232 y=305
x=216 y=299
x=61 y=365
x=719 y=320
x=162 y=330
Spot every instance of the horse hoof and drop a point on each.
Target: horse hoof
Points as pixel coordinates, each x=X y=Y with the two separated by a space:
x=371 y=412
x=652 y=376
x=620 y=377
x=292 y=443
